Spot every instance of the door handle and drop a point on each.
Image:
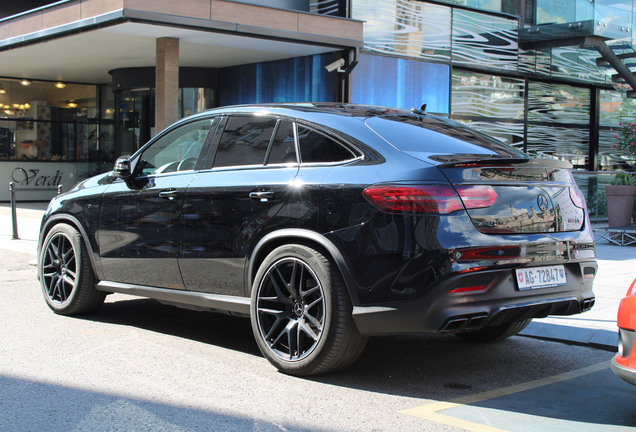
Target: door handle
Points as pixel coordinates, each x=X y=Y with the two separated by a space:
x=168 y=194
x=263 y=196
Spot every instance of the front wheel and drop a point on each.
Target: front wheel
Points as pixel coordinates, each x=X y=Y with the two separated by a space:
x=65 y=272
x=301 y=313
x=495 y=333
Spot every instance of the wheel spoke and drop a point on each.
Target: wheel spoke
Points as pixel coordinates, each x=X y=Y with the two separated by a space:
x=314 y=322
x=279 y=292
x=309 y=331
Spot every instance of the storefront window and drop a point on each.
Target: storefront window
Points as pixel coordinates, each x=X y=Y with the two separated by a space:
x=46 y=121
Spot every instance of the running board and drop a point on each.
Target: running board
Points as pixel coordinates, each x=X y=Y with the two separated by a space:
x=191 y=298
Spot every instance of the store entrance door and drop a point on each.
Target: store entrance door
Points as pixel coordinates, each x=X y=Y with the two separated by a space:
x=134 y=118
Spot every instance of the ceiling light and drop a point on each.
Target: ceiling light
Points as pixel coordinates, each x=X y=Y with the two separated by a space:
x=72 y=104
x=59 y=85
x=2 y=90
x=25 y=82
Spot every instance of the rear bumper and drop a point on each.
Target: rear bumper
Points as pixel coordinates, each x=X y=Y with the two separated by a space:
x=500 y=301
x=628 y=375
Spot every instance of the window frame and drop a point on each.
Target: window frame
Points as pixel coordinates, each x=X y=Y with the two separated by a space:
x=355 y=151
x=357 y=154
x=201 y=157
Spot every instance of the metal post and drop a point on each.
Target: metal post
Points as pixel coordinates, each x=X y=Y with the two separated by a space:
x=14 y=217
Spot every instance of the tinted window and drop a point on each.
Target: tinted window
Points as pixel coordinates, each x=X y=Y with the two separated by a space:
x=283 y=148
x=316 y=147
x=176 y=151
x=435 y=136
x=244 y=141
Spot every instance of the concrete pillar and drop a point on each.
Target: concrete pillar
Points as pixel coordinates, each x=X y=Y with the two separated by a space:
x=166 y=83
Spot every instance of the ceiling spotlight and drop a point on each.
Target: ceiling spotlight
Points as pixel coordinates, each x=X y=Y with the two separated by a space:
x=72 y=104
x=25 y=82
x=2 y=90
x=59 y=85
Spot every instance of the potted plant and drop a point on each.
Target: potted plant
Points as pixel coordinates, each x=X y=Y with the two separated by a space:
x=620 y=200
x=620 y=194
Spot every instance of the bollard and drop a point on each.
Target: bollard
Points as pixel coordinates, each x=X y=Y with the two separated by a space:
x=60 y=189
x=14 y=217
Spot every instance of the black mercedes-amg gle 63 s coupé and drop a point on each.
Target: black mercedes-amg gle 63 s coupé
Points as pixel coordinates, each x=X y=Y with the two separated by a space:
x=324 y=224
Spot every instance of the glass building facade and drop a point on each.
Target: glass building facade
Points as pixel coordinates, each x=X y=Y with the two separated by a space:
x=471 y=60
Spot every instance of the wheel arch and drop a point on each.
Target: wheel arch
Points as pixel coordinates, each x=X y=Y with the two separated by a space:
x=75 y=223
x=298 y=236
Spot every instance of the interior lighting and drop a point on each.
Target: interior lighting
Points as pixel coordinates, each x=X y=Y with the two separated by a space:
x=2 y=90
x=72 y=104
x=25 y=82
x=59 y=85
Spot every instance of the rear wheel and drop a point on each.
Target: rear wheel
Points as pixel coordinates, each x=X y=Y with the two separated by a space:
x=495 y=333
x=66 y=275
x=301 y=313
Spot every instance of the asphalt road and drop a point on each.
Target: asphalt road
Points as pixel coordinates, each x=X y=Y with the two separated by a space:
x=137 y=365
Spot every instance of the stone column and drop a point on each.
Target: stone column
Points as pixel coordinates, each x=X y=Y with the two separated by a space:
x=166 y=83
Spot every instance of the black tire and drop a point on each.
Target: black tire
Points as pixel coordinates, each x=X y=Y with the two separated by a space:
x=66 y=274
x=495 y=333
x=301 y=313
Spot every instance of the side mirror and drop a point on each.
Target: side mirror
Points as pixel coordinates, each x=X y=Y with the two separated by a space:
x=122 y=167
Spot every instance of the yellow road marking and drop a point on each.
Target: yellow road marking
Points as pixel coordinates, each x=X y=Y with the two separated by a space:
x=432 y=411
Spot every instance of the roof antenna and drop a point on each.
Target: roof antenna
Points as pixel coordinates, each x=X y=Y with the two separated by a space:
x=421 y=110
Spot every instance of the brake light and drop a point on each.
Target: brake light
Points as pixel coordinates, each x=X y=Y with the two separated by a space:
x=434 y=199
x=577 y=197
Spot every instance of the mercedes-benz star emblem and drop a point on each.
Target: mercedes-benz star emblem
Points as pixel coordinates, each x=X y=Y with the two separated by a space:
x=542 y=202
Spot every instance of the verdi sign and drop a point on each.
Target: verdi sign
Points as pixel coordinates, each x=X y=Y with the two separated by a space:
x=36 y=181
x=33 y=178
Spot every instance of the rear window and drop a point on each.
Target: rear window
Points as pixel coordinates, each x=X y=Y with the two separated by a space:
x=431 y=135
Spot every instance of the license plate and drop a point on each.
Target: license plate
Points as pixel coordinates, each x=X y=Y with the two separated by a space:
x=541 y=277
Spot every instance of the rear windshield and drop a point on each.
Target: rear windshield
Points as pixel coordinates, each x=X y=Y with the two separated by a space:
x=434 y=135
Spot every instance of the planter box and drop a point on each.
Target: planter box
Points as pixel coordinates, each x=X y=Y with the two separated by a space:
x=620 y=201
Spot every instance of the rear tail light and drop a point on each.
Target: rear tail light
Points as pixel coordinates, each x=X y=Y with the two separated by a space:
x=493 y=253
x=467 y=289
x=475 y=197
x=577 y=197
x=434 y=199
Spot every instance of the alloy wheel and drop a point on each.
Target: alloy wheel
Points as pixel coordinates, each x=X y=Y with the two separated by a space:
x=291 y=309
x=59 y=268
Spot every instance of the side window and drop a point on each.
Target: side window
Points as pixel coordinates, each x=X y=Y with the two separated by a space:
x=176 y=151
x=316 y=147
x=244 y=141
x=283 y=149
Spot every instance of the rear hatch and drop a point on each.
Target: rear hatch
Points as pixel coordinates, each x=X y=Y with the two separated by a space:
x=525 y=195
x=532 y=195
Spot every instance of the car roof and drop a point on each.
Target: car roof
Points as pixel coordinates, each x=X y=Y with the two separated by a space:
x=307 y=108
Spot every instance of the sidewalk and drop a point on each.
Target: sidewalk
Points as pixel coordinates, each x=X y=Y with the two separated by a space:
x=616 y=270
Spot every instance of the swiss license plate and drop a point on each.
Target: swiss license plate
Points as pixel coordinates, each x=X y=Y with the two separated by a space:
x=541 y=277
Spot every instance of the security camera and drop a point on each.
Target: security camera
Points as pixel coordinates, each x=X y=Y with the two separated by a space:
x=336 y=66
